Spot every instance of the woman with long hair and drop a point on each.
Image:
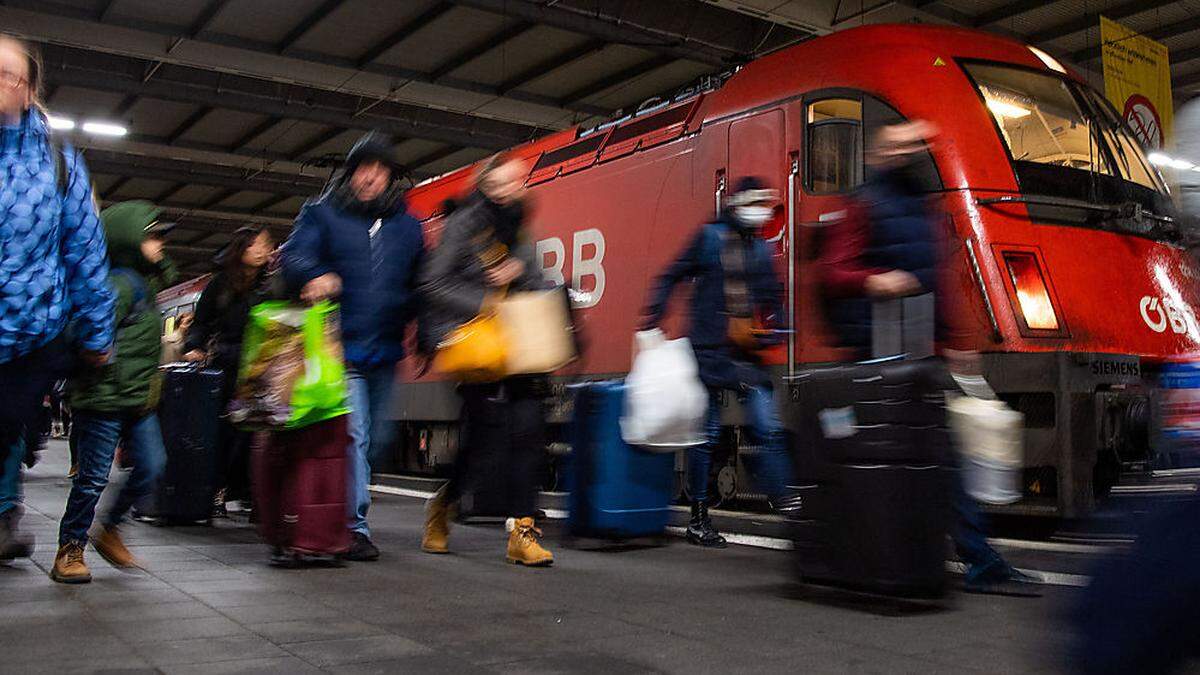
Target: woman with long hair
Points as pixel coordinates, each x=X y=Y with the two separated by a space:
x=54 y=266
x=215 y=336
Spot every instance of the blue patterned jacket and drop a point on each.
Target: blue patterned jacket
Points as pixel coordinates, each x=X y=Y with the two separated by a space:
x=53 y=260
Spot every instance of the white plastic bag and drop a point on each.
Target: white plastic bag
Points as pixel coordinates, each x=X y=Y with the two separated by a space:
x=665 y=402
x=990 y=438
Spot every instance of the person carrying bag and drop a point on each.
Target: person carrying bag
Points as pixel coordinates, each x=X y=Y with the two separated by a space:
x=485 y=254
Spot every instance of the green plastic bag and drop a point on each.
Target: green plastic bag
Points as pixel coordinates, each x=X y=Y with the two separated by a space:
x=292 y=372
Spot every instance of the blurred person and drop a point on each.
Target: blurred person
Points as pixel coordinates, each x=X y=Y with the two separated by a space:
x=358 y=244
x=214 y=335
x=172 y=342
x=486 y=249
x=887 y=247
x=55 y=271
x=115 y=403
x=1187 y=147
x=735 y=307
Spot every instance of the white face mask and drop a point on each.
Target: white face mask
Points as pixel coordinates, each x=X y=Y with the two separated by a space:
x=754 y=216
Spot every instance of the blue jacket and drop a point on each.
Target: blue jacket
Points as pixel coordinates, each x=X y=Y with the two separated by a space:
x=53 y=260
x=378 y=274
x=708 y=324
x=899 y=235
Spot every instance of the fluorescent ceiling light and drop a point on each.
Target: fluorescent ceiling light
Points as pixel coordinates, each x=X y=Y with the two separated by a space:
x=60 y=123
x=1051 y=62
x=104 y=129
x=1182 y=164
x=1004 y=109
x=1159 y=159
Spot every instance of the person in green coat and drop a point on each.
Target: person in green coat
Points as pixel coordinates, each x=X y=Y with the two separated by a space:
x=114 y=403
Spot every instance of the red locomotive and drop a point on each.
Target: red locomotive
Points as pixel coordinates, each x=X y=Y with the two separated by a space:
x=1066 y=256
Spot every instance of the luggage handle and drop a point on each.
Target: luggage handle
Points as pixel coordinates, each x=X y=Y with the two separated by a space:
x=903 y=327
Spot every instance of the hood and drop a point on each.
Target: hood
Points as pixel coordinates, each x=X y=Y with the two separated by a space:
x=125 y=228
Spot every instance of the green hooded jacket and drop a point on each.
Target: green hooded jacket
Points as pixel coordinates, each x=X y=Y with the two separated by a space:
x=130 y=381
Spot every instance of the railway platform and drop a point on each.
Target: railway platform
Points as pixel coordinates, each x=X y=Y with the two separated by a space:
x=208 y=602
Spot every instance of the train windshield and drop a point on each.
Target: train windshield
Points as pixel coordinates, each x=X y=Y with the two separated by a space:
x=1068 y=144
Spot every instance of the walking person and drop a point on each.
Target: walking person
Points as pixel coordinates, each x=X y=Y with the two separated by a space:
x=55 y=271
x=214 y=335
x=485 y=249
x=115 y=403
x=358 y=244
x=886 y=248
x=734 y=311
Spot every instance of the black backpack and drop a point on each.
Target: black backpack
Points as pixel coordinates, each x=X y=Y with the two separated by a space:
x=61 y=173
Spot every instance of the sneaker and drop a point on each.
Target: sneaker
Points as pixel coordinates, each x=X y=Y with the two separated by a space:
x=233 y=506
x=110 y=547
x=361 y=549
x=13 y=542
x=69 y=567
x=524 y=548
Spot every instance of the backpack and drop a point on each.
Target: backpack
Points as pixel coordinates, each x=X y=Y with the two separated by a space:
x=141 y=296
x=61 y=174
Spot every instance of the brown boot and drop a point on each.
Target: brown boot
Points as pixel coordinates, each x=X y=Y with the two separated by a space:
x=110 y=547
x=523 y=546
x=437 y=525
x=69 y=567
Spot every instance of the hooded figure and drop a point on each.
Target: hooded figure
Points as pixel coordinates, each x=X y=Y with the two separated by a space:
x=130 y=379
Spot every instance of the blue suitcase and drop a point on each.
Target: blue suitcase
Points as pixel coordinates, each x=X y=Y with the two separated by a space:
x=617 y=491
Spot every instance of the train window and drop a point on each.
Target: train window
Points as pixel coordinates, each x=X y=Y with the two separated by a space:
x=835 y=159
x=1039 y=118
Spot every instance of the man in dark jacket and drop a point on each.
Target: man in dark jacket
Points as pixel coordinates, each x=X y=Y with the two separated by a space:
x=358 y=244
x=735 y=304
x=115 y=403
x=886 y=248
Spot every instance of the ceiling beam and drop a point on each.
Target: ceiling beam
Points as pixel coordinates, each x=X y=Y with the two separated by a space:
x=1008 y=11
x=169 y=192
x=221 y=196
x=481 y=47
x=268 y=203
x=107 y=72
x=410 y=28
x=321 y=138
x=1092 y=19
x=51 y=21
x=633 y=72
x=161 y=168
x=1161 y=33
x=309 y=22
x=258 y=130
x=664 y=42
x=188 y=124
x=206 y=17
x=552 y=63
x=114 y=188
x=1186 y=81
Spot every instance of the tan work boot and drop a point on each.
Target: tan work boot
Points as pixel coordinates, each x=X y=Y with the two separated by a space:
x=110 y=547
x=437 y=525
x=69 y=567
x=523 y=546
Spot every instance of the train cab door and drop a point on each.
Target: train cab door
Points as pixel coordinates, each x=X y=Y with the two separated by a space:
x=831 y=166
x=758 y=147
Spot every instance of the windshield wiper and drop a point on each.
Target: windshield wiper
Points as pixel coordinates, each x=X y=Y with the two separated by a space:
x=1160 y=226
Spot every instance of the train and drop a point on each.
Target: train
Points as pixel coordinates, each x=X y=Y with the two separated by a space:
x=1064 y=248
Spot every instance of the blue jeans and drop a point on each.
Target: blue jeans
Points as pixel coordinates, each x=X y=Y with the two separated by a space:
x=11 y=454
x=24 y=381
x=370 y=434
x=97 y=435
x=970 y=537
x=771 y=465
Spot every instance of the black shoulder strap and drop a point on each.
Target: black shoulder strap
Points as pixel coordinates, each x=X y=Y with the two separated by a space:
x=60 y=164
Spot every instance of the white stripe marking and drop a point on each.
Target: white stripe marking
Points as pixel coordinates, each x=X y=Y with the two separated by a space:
x=1170 y=473
x=745 y=539
x=1055 y=546
x=1048 y=578
x=403 y=492
x=1166 y=488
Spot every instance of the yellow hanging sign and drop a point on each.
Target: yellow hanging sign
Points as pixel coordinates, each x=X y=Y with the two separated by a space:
x=1137 y=80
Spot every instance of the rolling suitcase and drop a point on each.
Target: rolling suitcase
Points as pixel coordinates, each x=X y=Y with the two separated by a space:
x=875 y=452
x=300 y=479
x=617 y=491
x=190 y=415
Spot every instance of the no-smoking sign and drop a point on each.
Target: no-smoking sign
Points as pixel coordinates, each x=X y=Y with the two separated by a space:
x=1143 y=119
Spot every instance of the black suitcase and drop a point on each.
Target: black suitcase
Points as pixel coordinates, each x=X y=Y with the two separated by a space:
x=874 y=455
x=487 y=441
x=190 y=416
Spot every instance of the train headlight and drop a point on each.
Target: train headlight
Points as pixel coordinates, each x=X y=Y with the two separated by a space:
x=1033 y=296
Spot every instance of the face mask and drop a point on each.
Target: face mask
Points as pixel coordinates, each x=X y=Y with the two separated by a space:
x=754 y=216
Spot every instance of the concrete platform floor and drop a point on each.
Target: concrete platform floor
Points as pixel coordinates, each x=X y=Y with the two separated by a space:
x=208 y=603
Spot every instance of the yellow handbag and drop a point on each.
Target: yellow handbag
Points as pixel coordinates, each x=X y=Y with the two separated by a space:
x=474 y=352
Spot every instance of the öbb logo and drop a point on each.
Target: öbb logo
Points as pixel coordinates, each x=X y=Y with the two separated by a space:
x=587 y=263
x=1158 y=313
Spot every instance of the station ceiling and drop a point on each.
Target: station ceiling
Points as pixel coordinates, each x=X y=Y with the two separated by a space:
x=238 y=110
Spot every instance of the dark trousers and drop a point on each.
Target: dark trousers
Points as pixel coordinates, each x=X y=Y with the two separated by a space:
x=233 y=468
x=505 y=423
x=24 y=383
